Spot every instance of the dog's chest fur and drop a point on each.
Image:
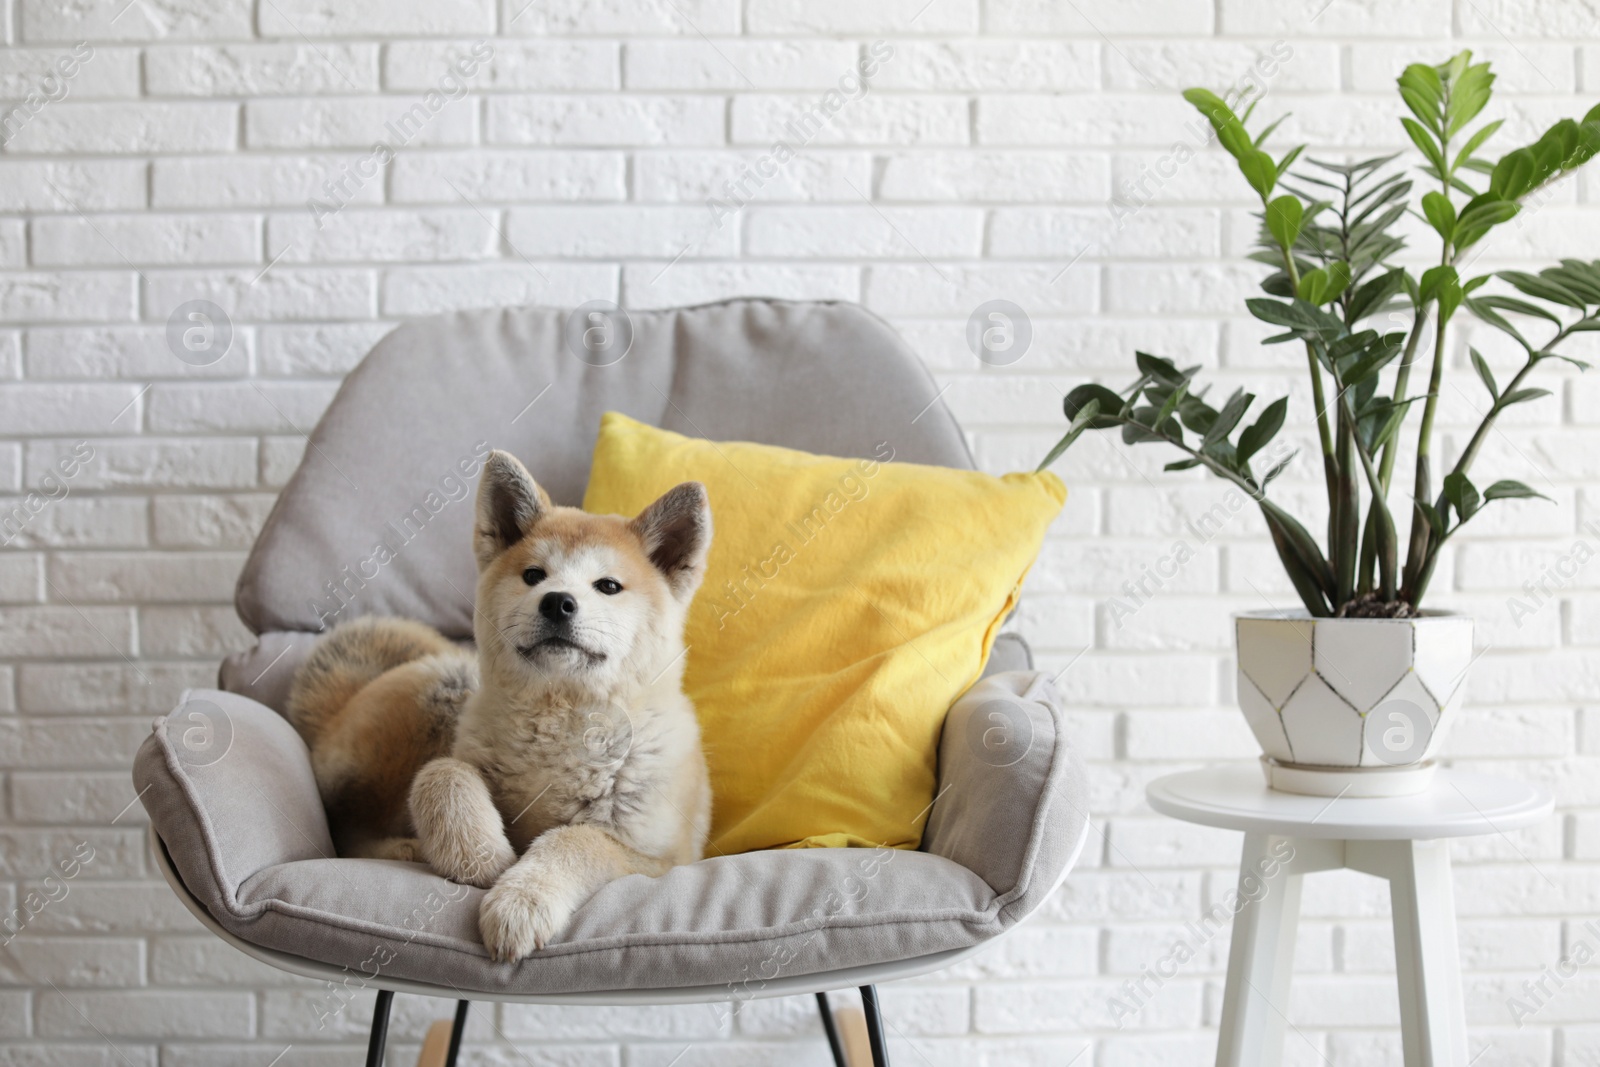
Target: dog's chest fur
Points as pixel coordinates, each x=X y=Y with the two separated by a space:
x=561 y=763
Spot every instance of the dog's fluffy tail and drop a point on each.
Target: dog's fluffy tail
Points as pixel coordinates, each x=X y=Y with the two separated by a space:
x=349 y=657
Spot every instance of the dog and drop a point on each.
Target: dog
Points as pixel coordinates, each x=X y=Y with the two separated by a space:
x=564 y=754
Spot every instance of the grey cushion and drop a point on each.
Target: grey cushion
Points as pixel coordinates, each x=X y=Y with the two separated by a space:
x=231 y=795
x=385 y=464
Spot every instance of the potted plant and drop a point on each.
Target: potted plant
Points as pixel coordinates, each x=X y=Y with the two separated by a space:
x=1352 y=693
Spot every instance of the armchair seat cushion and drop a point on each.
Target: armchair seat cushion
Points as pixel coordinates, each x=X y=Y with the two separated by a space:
x=229 y=788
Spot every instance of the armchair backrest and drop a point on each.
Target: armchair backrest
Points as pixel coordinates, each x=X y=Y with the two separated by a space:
x=378 y=517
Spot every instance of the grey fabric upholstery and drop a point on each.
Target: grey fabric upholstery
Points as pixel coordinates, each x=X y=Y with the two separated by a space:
x=228 y=784
x=246 y=832
x=822 y=377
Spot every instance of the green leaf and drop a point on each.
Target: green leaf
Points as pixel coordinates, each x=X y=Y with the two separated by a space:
x=1435 y=520
x=1469 y=92
x=1230 y=131
x=1521 y=307
x=1370 y=296
x=1459 y=490
x=1510 y=490
x=1169 y=407
x=1476 y=141
x=1536 y=285
x=1181 y=465
x=1482 y=214
x=1260 y=171
x=1485 y=374
x=1425 y=144
x=1108 y=406
x=1228 y=417
x=1255 y=436
x=1278 y=468
x=1522 y=396
x=1284 y=217
x=1423 y=92
x=1440 y=212
x=1159 y=368
x=1443 y=285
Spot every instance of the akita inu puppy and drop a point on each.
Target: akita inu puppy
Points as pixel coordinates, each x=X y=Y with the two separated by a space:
x=566 y=755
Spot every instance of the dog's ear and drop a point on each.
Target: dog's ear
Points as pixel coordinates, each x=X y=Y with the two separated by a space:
x=510 y=502
x=676 y=531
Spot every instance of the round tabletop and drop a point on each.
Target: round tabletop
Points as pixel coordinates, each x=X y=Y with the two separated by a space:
x=1235 y=796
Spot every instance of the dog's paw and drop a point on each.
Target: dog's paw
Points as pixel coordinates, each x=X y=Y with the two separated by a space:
x=408 y=849
x=516 y=923
x=480 y=864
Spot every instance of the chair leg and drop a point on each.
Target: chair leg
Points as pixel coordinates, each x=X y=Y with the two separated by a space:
x=880 y=1048
x=832 y=1031
x=457 y=1031
x=380 y=1028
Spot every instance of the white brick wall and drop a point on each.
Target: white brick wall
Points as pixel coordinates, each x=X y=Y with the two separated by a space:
x=979 y=163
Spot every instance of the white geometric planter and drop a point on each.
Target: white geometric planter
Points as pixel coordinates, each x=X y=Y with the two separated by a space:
x=1353 y=707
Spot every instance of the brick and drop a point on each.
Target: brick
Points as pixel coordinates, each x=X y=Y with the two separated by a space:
x=206 y=632
x=280 y=457
x=115 y=240
x=397 y=122
x=128 y=128
x=112 y=577
x=97 y=854
x=867 y=231
x=238 y=407
x=75 y=743
x=991 y=66
x=501 y=175
x=144 y=1014
x=1047 y=233
x=564 y=66
x=1188 y=735
x=316 y=350
x=210 y=961
x=1362 y=19
x=59 y=630
x=388 y=236
x=137 y=352
x=67 y=408
x=739 y=176
x=261 y=70
x=121 y=686
x=230 y=521
x=72 y=522
x=957 y=290
x=839 y=16
x=258 y=181
x=195 y=463
x=1297 y=64
x=42 y=20
x=426 y=291
x=1523 y=67
x=1008 y=1008
x=835 y=118
x=604 y=120
x=279 y=292
x=95 y=296
x=591 y=232
x=409 y=18
x=1119 y=120
x=66 y=186
x=564 y=1022
x=76 y=962
x=995 y=176
x=86 y=71
x=647 y=286
x=643 y=18
x=77 y=797
x=738 y=66
x=21 y=579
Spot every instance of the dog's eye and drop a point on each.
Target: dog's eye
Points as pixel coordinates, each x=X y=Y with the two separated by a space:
x=533 y=576
x=609 y=586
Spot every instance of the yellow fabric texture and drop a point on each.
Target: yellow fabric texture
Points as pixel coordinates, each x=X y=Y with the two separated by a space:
x=846 y=605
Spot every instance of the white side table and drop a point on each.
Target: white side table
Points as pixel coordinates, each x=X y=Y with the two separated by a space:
x=1402 y=839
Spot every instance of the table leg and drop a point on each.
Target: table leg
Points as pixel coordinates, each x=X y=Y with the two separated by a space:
x=1255 y=1004
x=1433 y=1023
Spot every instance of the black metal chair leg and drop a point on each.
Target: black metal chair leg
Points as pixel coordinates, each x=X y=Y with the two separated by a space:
x=869 y=1005
x=456 y=1031
x=380 y=1028
x=831 y=1030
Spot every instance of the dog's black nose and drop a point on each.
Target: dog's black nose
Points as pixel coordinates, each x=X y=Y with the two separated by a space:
x=557 y=606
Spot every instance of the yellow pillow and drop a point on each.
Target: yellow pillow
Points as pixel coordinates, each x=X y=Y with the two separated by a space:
x=847 y=603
